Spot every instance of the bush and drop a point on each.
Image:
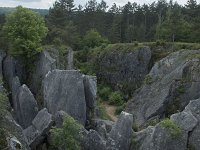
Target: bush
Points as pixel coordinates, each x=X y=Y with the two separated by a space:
x=104 y=93
x=115 y=98
x=174 y=130
x=93 y=39
x=67 y=137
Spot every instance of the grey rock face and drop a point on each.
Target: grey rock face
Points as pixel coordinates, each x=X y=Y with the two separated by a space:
x=94 y=141
x=172 y=83
x=90 y=86
x=194 y=138
x=12 y=68
x=9 y=70
x=121 y=132
x=26 y=106
x=185 y=120
x=44 y=64
x=14 y=90
x=103 y=127
x=41 y=125
x=109 y=135
x=160 y=138
x=64 y=90
x=16 y=136
x=125 y=70
x=59 y=118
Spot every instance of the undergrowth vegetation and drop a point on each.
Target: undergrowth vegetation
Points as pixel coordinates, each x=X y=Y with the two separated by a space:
x=67 y=137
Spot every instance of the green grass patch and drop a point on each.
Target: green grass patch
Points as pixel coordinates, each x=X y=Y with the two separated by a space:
x=173 y=129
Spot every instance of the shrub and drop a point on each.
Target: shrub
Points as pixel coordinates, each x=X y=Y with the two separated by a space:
x=174 y=130
x=104 y=93
x=93 y=39
x=68 y=136
x=115 y=98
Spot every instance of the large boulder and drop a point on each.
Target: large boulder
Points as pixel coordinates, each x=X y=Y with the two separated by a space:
x=36 y=133
x=43 y=65
x=64 y=90
x=124 y=67
x=168 y=88
x=25 y=106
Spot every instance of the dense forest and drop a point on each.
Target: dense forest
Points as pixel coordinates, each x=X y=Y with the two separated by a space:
x=161 y=20
x=133 y=22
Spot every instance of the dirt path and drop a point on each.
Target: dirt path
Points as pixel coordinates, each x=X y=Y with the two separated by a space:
x=110 y=110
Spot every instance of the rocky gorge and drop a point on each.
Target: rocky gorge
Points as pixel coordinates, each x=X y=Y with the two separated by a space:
x=162 y=114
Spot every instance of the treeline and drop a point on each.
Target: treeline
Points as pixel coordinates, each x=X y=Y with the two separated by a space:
x=96 y=23
x=133 y=22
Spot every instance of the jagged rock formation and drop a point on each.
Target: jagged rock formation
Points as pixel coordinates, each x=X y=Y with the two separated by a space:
x=36 y=133
x=13 y=68
x=16 y=136
x=125 y=69
x=119 y=138
x=166 y=137
x=170 y=85
x=70 y=98
x=90 y=87
x=26 y=106
x=43 y=65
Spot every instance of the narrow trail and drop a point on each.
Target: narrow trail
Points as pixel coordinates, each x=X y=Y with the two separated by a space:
x=110 y=110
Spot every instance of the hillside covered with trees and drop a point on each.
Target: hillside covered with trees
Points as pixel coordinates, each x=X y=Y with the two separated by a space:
x=160 y=20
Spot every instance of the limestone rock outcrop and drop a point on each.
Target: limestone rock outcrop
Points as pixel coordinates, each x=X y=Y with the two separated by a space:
x=64 y=90
x=170 y=85
x=125 y=70
x=36 y=132
x=26 y=106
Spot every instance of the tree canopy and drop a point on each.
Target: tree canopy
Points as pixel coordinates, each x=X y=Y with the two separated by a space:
x=25 y=30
